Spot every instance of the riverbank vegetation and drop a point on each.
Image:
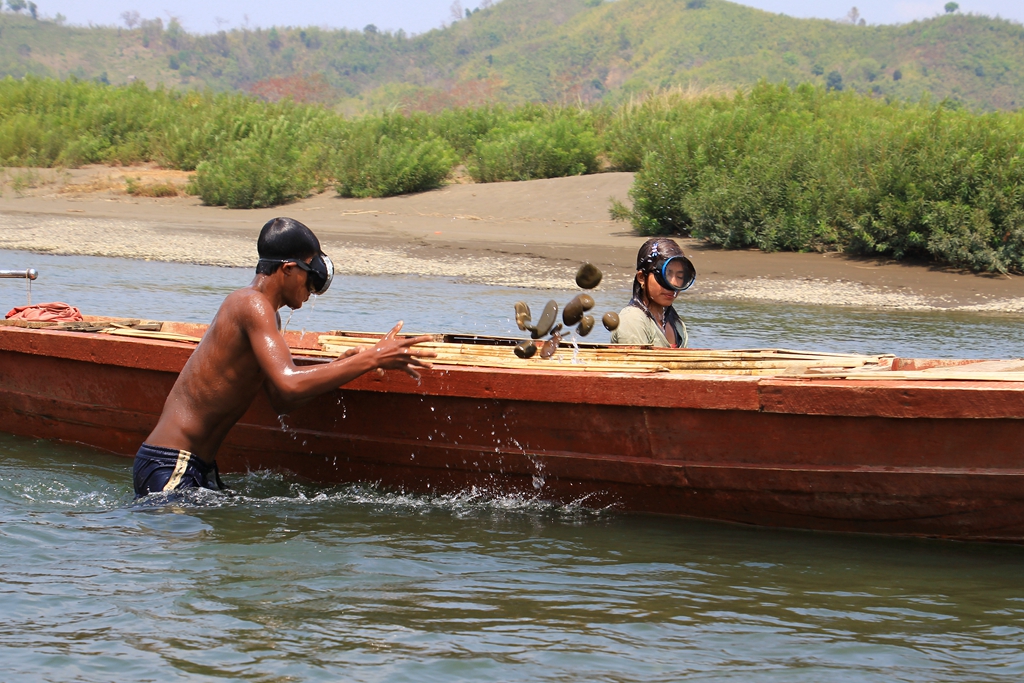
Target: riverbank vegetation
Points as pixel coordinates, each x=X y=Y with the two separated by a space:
x=806 y=169
x=777 y=168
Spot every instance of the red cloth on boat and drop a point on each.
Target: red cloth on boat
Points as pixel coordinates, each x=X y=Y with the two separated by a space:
x=53 y=312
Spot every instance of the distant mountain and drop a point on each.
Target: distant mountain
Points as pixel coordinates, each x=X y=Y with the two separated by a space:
x=543 y=50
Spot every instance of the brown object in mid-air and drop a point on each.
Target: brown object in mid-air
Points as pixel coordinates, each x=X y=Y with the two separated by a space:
x=573 y=311
x=610 y=321
x=547 y=319
x=586 y=325
x=588 y=276
x=523 y=317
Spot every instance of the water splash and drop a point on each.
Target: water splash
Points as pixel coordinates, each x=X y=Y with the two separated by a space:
x=312 y=307
x=266 y=489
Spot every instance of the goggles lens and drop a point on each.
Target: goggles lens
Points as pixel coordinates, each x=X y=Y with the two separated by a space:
x=676 y=273
x=319 y=271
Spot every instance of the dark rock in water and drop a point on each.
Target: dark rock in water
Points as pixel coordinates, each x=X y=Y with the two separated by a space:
x=547 y=319
x=523 y=318
x=610 y=321
x=526 y=349
x=588 y=276
x=573 y=310
x=550 y=347
x=586 y=325
x=556 y=329
x=587 y=301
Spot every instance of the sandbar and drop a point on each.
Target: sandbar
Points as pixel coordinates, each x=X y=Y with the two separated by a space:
x=525 y=234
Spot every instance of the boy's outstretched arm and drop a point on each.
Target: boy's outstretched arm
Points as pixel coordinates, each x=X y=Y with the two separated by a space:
x=289 y=385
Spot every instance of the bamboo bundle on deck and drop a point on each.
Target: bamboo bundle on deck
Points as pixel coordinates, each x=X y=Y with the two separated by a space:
x=755 y=362
x=612 y=359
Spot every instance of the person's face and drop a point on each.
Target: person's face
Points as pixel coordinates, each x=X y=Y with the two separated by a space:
x=656 y=294
x=297 y=284
x=675 y=274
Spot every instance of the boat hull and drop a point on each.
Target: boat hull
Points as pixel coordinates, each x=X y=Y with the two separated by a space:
x=938 y=459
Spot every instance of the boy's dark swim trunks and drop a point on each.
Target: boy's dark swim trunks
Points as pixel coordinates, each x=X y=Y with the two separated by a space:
x=159 y=469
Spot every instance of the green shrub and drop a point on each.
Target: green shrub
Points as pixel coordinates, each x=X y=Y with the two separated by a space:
x=390 y=155
x=525 y=150
x=260 y=170
x=807 y=169
x=463 y=128
x=252 y=153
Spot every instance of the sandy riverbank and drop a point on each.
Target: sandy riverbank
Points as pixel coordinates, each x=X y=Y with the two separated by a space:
x=529 y=234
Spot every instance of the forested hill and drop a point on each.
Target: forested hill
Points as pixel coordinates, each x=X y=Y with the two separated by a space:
x=541 y=50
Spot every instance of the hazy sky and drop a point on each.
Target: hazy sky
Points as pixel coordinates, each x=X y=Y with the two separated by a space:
x=417 y=16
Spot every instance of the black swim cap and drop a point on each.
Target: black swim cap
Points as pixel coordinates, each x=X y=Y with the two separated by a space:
x=283 y=238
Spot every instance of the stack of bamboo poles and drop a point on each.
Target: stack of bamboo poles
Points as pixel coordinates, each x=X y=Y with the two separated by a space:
x=768 y=362
x=755 y=362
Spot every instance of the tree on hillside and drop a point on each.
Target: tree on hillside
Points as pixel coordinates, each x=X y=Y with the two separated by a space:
x=951 y=7
x=16 y=5
x=852 y=17
x=33 y=9
x=834 y=81
x=130 y=18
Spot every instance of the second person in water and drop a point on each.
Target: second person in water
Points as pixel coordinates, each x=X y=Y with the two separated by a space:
x=649 y=319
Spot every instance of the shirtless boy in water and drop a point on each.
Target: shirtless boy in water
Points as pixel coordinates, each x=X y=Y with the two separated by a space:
x=243 y=351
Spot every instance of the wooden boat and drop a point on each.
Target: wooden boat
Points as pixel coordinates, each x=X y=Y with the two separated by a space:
x=769 y=437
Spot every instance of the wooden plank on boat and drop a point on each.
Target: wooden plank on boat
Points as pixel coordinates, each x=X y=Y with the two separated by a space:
x=143 y=334
x=759 y=362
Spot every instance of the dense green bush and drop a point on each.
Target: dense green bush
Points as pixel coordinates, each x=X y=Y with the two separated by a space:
x=255 y=153
x=525 y=150
x=634 y=124
x=259 y=170
x=391 y=154
x=464 y=127
x=808 y=169
x=775 y=168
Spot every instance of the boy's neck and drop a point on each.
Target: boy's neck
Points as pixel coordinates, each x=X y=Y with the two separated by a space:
x=271 y=287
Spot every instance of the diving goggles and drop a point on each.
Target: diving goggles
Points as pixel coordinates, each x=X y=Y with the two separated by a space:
x=319 y=271
x=676 y=273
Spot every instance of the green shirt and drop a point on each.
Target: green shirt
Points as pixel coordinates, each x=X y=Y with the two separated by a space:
x=636 y=327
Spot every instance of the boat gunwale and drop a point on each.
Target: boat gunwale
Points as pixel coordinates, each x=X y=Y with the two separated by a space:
x=787 y=395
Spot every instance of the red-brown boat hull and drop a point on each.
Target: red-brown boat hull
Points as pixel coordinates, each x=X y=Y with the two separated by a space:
x=916 y=458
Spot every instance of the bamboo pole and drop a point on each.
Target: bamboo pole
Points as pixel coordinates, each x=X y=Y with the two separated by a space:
x=142 y=334
x=748 y=362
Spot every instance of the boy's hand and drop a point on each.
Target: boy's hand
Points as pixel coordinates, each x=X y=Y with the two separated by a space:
x=391 y=353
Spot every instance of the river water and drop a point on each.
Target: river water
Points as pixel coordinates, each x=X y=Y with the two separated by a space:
x=290 y=581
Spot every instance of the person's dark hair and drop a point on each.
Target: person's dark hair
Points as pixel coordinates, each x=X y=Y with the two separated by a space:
x=650 y=252
x=284 y=238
